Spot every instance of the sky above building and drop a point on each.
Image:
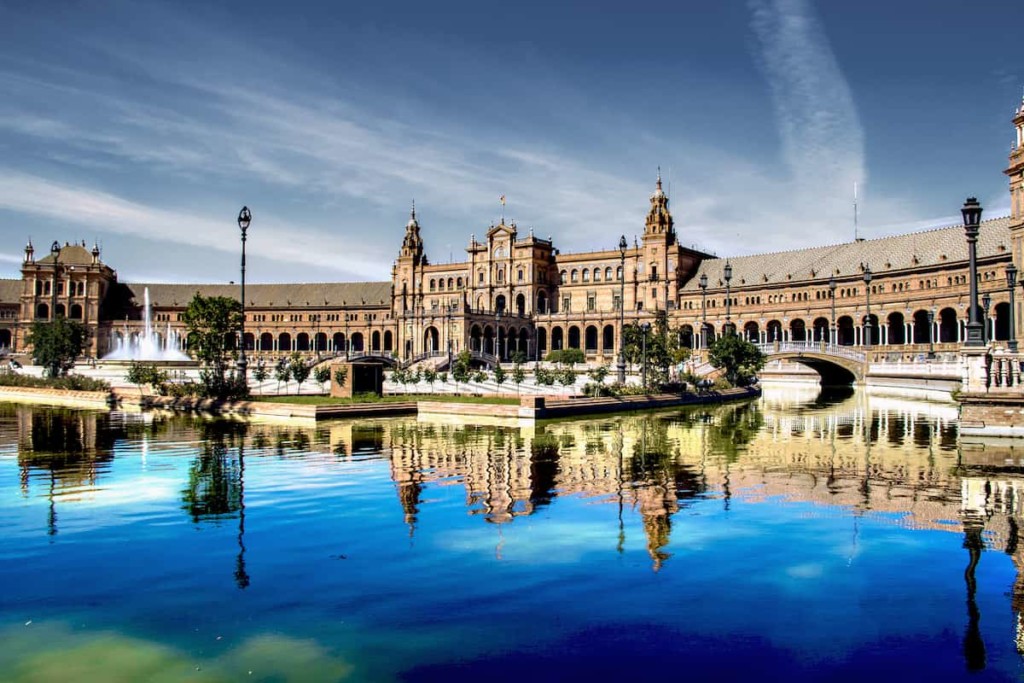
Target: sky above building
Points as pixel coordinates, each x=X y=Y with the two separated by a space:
x=145 y=126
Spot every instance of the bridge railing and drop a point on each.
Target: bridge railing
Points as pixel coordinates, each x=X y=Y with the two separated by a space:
x=824 y=348
x=1004 y=373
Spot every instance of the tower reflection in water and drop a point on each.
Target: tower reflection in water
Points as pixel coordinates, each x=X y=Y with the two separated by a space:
x=897 y=461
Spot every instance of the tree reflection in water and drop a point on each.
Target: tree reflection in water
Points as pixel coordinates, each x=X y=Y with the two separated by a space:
x=216 y=482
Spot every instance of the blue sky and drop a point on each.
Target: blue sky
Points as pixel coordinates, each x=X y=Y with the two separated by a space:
x=147 y=125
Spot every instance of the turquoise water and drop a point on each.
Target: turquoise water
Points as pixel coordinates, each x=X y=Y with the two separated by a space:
x=801 y=537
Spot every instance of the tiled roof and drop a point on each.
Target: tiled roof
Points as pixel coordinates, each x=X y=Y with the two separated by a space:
x=10 y=291
x=317 y=294
x=884 y=255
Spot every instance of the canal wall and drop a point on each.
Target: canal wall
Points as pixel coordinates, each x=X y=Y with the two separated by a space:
x=57 y=397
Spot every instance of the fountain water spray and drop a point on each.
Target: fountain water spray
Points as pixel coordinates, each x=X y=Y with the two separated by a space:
x=149 y=346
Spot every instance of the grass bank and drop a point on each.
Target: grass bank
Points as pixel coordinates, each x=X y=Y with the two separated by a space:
x=371 y=398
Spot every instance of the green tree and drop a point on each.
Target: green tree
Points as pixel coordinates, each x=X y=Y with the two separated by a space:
x=518 y=375
x=56 y=345
x=480 y=376
x=499 y=375
x=461 y=368
x=260 y=373
x=568 y=357
x=598 y=374
x=430 y=376
x=567 y=377
x=322 y=374
x=663 y=348
x=300 y=371
x=145 y=373
x=212 y=323
x=341 y=376
x=282 y=373
x=737 y=358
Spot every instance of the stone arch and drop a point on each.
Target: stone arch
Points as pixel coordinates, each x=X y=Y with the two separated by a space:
x=590 y=339
x=431 y=339
x=1002 y=318
x=488 y=346
x=389 y=338
x=524 y=341
x=821 y=328
x=60 y=311
x=499 y=303
x=320 y=342
x=284 y=342
x=520 y=304
x=751 y=332
x=557 y=338
x=542 y=342
x=574 y=337
x=339 y=341
x=302 y=342
x=922 y=328
x=608 y=338
x=248 y=341
x=76 y=311
x=844 y=331
x=5 y=339
x=375 y=340
x=798 y=330
x=357 y=341
x=542 y=302
x=896 y=325
x=476 y=338
x=266 y=342
x=948 y=324
x=773 y=331
x=686 y=336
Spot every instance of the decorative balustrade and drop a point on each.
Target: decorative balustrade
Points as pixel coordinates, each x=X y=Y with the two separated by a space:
x=1004 y=372
x=773 y=348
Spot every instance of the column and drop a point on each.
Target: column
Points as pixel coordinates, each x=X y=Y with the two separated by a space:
x=908 y=334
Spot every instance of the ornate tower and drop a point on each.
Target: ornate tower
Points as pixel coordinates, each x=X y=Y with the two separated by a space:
x=407 y=284
x=1015 y=171
x=659 y=258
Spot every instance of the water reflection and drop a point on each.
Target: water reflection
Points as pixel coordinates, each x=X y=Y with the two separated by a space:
x=847 y=455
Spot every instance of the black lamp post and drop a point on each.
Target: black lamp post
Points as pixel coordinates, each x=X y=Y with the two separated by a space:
x=867 y=318
x=55 y=253
x=646 y=327
x=620 y=366
x=728 y=297
x=1011 y=283
x=833 y=337
x=931 y=334
x=972 y=220
x=703 y=282
x=244 y=218
x=986 y=301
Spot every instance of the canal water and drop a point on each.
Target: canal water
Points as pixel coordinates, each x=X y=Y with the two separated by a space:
x=801 y=536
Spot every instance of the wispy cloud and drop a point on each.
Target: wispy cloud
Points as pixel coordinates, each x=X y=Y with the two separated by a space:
x=821 y=134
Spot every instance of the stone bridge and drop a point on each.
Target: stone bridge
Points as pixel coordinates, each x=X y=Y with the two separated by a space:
x=836 y=364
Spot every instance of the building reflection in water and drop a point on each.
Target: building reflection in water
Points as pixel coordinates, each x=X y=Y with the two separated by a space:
x=894 y=460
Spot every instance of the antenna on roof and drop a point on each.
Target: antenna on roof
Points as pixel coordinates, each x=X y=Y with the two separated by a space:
x=856 y=235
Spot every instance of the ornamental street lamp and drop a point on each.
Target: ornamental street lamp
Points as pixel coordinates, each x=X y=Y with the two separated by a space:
x=867 y=318
x=931 y=333
x=1011 y=283
x=55 y=253
x=832 y=297
x=728 y=299
x=620 y=366
x=986 y=301
x=972 y=220
x=703 y=282
x=646 y=327
x=244 y=218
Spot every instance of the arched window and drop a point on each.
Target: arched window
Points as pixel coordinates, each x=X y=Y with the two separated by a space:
x=433 y=285
x=608 y=273
x=575 y=275
x=519 y=275
x=618 y=273
x=563 y=277
x=586 y=275
x=501 y=275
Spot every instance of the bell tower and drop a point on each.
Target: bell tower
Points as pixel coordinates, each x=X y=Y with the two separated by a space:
x=659 y=255
x=407 y=290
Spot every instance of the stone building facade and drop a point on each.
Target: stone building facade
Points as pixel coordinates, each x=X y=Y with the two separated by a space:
x=898 y=296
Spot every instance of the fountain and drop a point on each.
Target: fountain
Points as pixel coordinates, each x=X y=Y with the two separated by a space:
x=149 y=346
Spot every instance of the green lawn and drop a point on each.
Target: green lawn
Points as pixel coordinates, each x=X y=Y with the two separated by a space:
x=370 y=398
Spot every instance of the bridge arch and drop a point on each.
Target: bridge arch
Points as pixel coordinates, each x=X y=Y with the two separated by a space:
x=835 y=365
